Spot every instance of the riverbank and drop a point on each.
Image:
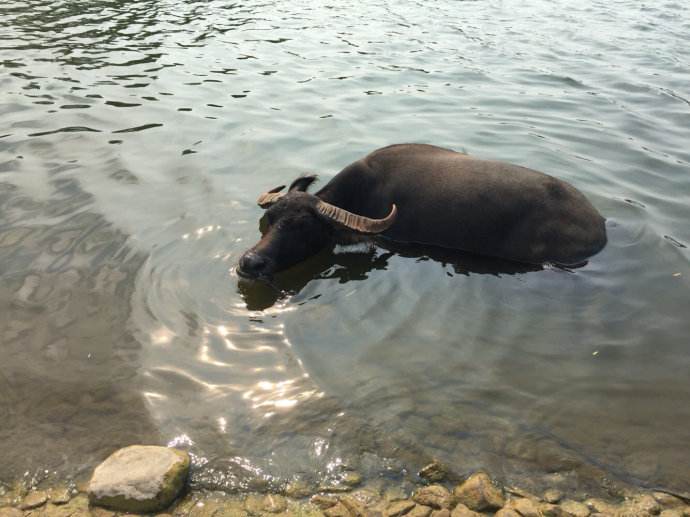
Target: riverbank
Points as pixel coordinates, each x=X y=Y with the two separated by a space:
x=475 y=496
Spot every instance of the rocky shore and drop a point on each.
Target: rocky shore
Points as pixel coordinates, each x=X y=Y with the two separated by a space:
x=136 y=480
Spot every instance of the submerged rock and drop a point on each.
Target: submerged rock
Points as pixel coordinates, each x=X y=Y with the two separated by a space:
x=298 y=489
x=399 y=508
x=34 y=500
x=59 y=495
x=352 y=479
x=478 y=493
x=640 y=506
x=434 y=472
x=507 y=512
x=575 y=509
x=273 y=503
x=419 y=511
x=139 y=478
x=553 y=496
x=323 y=501
x=463 y=511
x=339 y=510
x=355 y=507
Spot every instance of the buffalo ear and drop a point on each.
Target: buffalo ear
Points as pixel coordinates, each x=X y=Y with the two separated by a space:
x=302 y=183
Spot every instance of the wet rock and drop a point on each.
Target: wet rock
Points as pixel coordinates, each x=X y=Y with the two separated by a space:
x=398 y=508
x=551 y=510
x=553 y=496
x=436 y=496
x=254 y=504
x=525 y=507
x=323 y=501
x=298 y=489
x=600 y=506
x=507 y=512
x=440 y=513
x=34 y=500
x=273 y=503
x=478 y=493
x=575 y=509
x=434 y=472
x=352 y=479
x=367 y=496
x=461 y=510
x=668 y=500
x=419 y=511
x=394 y=494
x=339 y=510
x=640 y=506
x=59 y=496
x=355 y=507
x=139 y=479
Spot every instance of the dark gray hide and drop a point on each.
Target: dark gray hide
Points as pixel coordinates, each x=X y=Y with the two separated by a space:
x=449 y=199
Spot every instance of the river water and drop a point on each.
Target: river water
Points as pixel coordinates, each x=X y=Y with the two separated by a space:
x=135 y=137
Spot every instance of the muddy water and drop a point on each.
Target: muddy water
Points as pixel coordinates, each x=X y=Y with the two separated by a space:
x=134 y=140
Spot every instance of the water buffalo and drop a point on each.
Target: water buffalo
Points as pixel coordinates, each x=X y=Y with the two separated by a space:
x=416 y=193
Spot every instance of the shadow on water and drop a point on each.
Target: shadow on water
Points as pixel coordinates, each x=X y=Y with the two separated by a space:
x=355 y=265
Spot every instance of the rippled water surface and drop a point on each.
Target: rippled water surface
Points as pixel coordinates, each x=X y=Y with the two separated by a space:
x=135 y=137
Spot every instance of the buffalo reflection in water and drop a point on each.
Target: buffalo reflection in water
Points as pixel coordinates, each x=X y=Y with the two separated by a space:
x=355 y=266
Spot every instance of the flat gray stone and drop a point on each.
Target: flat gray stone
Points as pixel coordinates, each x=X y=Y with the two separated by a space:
x=139 y=479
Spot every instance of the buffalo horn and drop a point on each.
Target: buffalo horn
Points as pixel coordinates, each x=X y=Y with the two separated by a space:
x=357 y=222
x=268 y=198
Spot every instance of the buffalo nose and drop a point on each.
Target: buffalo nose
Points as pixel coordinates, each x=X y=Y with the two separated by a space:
x=252 y=264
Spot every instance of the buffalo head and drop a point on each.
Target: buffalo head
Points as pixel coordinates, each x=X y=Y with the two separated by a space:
x=297 y=225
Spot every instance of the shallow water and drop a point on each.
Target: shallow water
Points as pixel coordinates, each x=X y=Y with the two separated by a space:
x=135 y=138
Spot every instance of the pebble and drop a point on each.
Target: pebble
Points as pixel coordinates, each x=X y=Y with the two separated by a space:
x=273 y=503
x=352 y=479
x=254 y=504
x=419 y=511
x=436 y=496
x=354 y=506
x=34 y=500
x=434 y=472
x=323 y=501
x=553 y=496
x=600 y=506
x=667 y=500
x=507 y=512
x=525 y=507
x=59 y=496
x=461 y=510
x=339 y=510
x=478 y=493
x=298 y=490
x=551 y=510
x=575 y=509
x=399 y=508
